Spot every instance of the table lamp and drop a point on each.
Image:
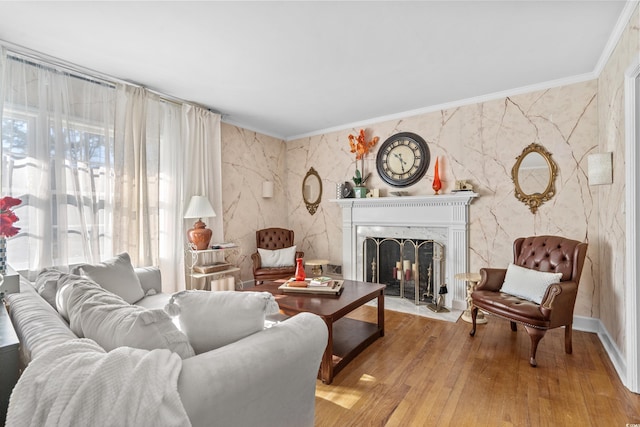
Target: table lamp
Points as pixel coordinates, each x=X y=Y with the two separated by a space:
x=199 y=236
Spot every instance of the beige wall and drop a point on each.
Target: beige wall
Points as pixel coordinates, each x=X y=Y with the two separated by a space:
x=249 y=159
x=612 y=197
x=478 y=142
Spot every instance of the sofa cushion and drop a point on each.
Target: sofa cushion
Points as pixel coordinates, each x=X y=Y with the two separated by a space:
x=527 y=283
x=113 y=324
x=215 y=319
x=150 y=279
x=285 y=257
x=116 y=275
x=47 y=284
x=72 y=292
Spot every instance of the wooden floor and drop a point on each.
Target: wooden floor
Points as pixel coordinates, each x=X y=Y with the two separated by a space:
x=427 y=372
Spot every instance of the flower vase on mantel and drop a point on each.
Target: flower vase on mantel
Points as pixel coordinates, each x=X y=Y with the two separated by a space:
x=360 y=192
x=437 y=185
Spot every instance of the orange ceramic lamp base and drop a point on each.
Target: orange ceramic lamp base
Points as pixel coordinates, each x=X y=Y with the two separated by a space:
x=199 y=235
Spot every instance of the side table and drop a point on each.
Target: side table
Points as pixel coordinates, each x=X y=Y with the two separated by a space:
x=472 y=280
x=9 y=360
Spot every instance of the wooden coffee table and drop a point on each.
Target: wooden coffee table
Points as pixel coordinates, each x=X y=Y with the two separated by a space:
x=347 y=337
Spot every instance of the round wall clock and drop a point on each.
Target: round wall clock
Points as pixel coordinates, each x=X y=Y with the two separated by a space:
x=403 y=159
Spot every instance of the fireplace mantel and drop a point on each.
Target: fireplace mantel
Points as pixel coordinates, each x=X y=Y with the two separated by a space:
x=446 y=215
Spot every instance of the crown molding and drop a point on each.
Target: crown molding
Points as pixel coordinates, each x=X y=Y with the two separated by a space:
x=455 y=104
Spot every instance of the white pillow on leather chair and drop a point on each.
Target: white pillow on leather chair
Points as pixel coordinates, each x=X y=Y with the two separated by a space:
x=527 y=283
x=285 y=257
x=215 y=319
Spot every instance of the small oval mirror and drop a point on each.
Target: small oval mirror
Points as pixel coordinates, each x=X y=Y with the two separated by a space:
x=534 y=176
x=312 y=190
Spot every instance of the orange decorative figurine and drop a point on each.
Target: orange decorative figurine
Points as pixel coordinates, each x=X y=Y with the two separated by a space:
x=437 y=185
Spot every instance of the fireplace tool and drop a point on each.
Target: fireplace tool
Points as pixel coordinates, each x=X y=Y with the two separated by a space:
x=428 y=295
x=439 y=304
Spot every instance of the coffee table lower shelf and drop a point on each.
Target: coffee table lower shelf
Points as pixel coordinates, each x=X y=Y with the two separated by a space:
x=350 y=338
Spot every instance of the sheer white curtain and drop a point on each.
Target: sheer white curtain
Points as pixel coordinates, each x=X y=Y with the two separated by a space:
x=56 y=157
x=101 y=169
x=148 y=192
x=171 y=231
x=202 y=169
x=202 y=163
x=136 y=183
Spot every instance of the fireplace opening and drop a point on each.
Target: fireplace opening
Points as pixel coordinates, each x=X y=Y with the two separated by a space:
x=411 y=268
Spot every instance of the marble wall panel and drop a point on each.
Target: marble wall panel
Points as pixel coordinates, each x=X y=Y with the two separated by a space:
x=611 y=197
x=249 y=159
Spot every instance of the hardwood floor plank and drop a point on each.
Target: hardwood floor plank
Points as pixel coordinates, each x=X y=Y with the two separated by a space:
x=426 y=372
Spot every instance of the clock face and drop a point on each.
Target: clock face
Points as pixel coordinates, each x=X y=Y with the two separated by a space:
x=403 y=159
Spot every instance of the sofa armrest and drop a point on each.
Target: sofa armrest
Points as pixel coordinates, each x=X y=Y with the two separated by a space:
x=266 y=379
x=150 y=278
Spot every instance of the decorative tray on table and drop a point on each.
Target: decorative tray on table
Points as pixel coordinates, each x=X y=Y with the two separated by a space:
x=334 y=287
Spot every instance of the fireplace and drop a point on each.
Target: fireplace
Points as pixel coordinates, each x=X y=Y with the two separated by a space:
x=442 y=219
x=411 y=268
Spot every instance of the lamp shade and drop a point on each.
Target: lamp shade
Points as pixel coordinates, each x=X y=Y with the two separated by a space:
x=199 y=207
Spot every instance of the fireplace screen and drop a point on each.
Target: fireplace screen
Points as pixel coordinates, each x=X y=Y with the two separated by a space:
x=411 y=268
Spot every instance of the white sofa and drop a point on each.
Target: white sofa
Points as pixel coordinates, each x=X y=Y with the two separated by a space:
x=267 y=378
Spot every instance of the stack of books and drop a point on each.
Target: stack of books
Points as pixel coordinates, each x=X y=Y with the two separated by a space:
x=321 y=281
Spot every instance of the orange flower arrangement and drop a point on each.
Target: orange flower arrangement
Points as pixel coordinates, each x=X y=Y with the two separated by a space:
x=359 y=144
x=361 y=147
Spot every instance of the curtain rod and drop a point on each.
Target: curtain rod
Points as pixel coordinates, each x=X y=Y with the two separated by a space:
x=35 y=58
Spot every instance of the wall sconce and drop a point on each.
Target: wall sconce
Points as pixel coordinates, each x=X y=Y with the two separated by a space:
x=267 y=189
x=600 y=168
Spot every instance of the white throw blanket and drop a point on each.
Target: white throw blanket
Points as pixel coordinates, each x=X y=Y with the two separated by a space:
x=77 y=383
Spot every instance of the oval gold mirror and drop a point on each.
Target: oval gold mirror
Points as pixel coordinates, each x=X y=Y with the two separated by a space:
x=312 y=190
x=534 y=176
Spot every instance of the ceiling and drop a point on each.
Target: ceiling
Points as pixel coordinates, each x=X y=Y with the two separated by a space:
x=296 y=68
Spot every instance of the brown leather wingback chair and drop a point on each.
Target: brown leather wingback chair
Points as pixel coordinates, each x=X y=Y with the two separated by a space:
x=543 y=253
x=272 y=239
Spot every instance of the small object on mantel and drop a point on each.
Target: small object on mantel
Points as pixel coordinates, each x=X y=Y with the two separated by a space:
x=462 y=185
x=399 y=193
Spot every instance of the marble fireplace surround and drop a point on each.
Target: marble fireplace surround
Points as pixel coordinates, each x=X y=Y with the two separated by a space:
x=443 y=218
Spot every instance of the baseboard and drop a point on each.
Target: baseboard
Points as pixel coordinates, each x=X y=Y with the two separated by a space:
x=589 y=324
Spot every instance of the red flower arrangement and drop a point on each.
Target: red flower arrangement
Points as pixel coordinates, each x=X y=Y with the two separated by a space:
x=7 y=217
